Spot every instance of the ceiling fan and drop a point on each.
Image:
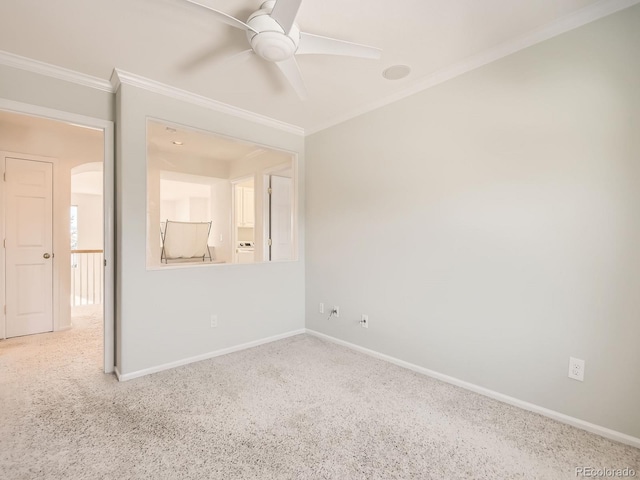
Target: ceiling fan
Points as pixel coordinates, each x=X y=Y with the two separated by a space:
x=275 y=37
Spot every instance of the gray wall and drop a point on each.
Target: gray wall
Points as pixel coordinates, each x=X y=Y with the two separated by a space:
x=27 y=87
x=164 y=315
x=490 y=226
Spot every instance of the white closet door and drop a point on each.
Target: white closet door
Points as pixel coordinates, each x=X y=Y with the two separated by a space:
x=281 y=219
x=29 y=247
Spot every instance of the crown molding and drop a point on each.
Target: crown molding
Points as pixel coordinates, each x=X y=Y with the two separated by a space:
x=577 y=19
x=119 y=77
x=46 y=69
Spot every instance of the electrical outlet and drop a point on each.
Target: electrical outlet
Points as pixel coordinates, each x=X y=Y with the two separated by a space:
x=336 y=311
x=214 y=321
x=364 y=321
x=321 y=308
x=576 y=369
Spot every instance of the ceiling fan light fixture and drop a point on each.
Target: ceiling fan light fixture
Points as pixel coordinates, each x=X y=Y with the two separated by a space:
x=396 y=72
x=273 y=46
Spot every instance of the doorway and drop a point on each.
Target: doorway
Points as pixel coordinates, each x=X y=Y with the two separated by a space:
x=36 y=283
x=87 y=233
x=279 y=214
x=244 y=220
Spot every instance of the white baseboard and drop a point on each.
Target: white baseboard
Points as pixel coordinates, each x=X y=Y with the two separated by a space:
x=561 y=417
x=205 y=356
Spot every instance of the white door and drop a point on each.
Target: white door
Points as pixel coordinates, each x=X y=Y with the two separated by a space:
x=29 y=242
x=281 y=217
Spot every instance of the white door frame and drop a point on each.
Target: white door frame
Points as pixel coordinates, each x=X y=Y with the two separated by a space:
x=108 y=195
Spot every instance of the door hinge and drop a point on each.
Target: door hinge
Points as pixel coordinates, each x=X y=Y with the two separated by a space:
x=105 y=262
x=4 y=243
x=4 y=176
x=269 y=242
x=270 y=190
x=5 y=309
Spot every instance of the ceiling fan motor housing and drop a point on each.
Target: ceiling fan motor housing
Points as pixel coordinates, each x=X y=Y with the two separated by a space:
x=271 y=42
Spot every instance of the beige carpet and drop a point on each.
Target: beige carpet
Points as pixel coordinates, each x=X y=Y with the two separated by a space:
x=300 y=408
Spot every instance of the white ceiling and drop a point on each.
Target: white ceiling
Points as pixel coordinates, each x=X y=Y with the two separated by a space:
x=160 y=137
x=178 y=44
x=173 y=190
x=25 y=125
x=81 y=147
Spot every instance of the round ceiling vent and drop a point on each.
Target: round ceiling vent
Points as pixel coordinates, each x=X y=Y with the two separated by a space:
x=396 y=72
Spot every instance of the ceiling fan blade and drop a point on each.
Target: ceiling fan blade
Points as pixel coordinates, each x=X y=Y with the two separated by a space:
x=291 y=71
x=236 y=58
x=215 y=63
x=212 y=53
x=284 y=12
x=223 y=17
x=198 y=60
x=315 y=44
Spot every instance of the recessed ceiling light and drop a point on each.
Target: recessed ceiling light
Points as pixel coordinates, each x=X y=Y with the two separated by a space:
x=172 y=130
x=396 y=72
x=178 y=142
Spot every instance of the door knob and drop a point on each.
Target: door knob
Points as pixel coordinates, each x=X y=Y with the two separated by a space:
x=46 y=255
